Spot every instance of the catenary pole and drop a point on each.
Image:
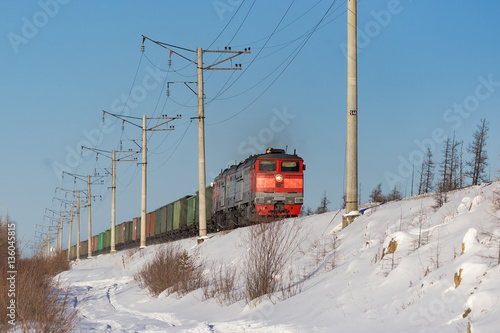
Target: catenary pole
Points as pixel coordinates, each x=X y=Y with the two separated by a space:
x=201 y=152
x=48 y=243
x=57 y=235
x=113 y=201
x=70 y=229
x=61 y=232
x=202 y=214
x=89 y=210
x=144 y=191
x=158 y=127
x=77 y=226
x=352 y=117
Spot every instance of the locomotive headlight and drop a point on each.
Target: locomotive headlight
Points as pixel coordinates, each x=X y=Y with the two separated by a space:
x=279 y=178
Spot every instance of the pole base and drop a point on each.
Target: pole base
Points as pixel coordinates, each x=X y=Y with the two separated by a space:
x=201 y=239
x=90 y=257
x=349 y=218
x=112 y=251
x=77 y=260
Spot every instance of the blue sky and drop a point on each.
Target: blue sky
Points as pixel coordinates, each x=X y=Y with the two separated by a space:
x=424 y=67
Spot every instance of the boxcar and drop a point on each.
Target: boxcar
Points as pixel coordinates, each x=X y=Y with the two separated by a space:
x=107 y=239
x=180 y=213
x=170 y=217
x=191 y=210
x=158 y=221
x=117 y=234
x=100 y=241
x=121 y=236
x=128 y=231
x=83 y=248
x=163 y=227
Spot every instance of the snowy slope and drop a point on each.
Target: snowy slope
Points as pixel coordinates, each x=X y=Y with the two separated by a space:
x=394 y=269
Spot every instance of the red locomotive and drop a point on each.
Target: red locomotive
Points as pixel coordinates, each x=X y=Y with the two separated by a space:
x=265 y=185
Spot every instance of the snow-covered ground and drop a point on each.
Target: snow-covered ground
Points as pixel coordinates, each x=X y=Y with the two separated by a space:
x=343 y=287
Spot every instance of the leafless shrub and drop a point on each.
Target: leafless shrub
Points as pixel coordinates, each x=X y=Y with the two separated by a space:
x=291 y=288
x=492 y=240
x=272 y=247
x=423 y=234
x=223 y=286
x=325 y=251
x=172 y=270
x=43 y=305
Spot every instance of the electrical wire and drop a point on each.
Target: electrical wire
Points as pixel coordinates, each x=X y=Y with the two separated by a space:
x=221 y=91
x=175 y=149
x=227 y=24
x=277 y=77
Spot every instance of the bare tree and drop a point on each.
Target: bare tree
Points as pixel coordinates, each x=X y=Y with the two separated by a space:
x=426 y=174
x=323 y=207
x=441 y=196
x=478 y=149
x=443 y=184
x=421 y=182
x=448 y=171
x=461 y=166
x=376 y=195
x=454 y=162
x=394 y=195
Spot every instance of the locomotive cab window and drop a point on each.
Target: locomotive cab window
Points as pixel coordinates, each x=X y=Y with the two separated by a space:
x=290 y=166
x=267 y=165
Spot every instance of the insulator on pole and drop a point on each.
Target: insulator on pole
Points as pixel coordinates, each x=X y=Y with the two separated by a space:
x=169 y=62
x=168 y=92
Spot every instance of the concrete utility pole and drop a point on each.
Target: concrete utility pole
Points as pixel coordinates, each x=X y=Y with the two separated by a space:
x=59 y=222
x=77 y=226
x=201 y=119
x=113 y=201
x=48 y=243
x=89 y=214
x=201 y=152
x=70 y=229
x=113 y=185
x=145 y=129
x=61 y=237
x=144 y=182
x=352 y=118
x=89 y=207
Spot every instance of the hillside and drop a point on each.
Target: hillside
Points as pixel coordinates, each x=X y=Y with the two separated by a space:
x=401 y=267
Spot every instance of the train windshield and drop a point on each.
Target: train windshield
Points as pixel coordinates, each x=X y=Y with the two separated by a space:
x=290 y=166
x=267 y=165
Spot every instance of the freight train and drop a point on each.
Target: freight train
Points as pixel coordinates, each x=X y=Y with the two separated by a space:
x=264 y=186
